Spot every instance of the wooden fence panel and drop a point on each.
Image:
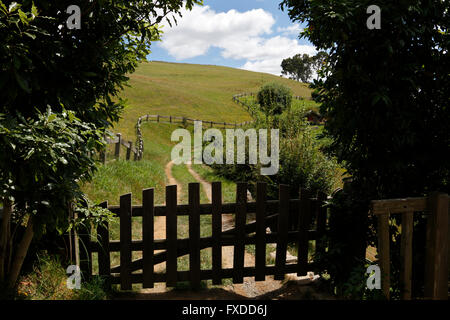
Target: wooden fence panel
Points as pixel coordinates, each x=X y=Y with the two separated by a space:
x=171 y=235
x=260 y=247
x=125 y=242
x=240 y=219
x=194 y=234
x=148 y=237
x=283 y=219
x=216 y=232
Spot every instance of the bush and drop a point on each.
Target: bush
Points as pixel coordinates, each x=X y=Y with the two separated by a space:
x=48 y=279
x=274 y=98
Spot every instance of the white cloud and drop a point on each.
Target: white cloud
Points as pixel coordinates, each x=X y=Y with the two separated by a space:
x=240 y=35
x=294 y=29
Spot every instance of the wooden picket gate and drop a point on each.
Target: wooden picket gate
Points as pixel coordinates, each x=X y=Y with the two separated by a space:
x=437 y=243
x=309 y=211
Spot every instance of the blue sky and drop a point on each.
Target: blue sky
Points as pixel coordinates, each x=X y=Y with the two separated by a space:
x=248 y=34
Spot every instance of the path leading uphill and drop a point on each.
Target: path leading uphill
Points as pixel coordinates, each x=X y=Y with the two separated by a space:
x=292 y=288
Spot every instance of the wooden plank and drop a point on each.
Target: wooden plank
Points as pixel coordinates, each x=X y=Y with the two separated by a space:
x=303 y=240
x=260 y=247
x=216 y=232
x=383 y=253
x=148 y=237
x=321 y=223
x=205 y=274
x=205 y=209
x=194 y=234
x=171 y=235
x=239 y=245
x=406 y=254
x=398 y=205
x=283 y=219
x=436 y=264
x=125 y=242
x=104 y=259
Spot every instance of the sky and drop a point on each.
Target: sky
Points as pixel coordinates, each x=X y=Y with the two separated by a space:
x=253 y=35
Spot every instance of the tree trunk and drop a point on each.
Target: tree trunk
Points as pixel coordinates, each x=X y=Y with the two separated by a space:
x=4 y=237
x=20 y=255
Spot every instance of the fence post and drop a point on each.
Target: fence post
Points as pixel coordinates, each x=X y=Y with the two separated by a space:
x=157 y=118
x=436 y=268
x=117 y=151
x=129 y=150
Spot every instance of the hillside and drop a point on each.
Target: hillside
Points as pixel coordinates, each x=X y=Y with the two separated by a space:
x=200 y=91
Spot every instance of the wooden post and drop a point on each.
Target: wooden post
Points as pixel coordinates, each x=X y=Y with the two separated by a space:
x=436 y=277
x=157 y=118
x=129 y=150
x=383 y=252
x=321 y=222
x=117 y=151
x=170 y=119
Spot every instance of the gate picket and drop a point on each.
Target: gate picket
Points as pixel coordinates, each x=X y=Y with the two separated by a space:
x=125 y=242
x=283 y=219
x=240 y=219
x=104 y=260
x=303 y=226
x=216 y=232
x=171 y=235
x=148 y=237
x=260 y=247
x=194 y=234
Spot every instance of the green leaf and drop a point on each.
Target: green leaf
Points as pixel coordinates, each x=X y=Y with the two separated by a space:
x=13 y=7
x=51 y=117
x=3 y=7
x=34 y=11
x=23 y=17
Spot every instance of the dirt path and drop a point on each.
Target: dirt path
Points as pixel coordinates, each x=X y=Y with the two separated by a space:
x=269 y=289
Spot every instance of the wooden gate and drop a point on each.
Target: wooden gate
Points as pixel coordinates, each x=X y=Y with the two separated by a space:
x=309 y=211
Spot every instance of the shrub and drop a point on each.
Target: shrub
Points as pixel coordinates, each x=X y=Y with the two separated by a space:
x=274 y=98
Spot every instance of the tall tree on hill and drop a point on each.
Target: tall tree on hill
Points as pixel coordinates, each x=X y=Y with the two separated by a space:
x=298 y=67
x=58 y=96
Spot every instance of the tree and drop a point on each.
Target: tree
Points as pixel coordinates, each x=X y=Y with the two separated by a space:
x=298 y=67
x=386 y=93
x=58 y=96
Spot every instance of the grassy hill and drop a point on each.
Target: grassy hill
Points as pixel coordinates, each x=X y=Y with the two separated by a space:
x=200 y=91
x=195 y=91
